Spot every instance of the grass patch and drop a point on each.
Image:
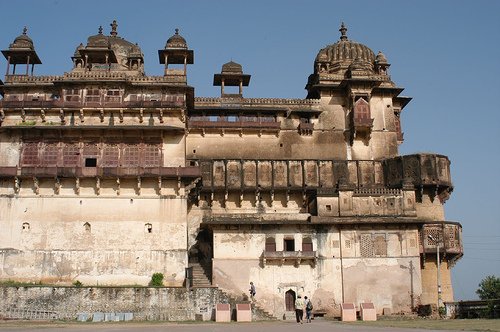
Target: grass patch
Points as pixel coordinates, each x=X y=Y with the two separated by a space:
x=12 y=283
x=437 y=324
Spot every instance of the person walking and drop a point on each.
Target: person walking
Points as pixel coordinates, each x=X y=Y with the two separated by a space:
x=252 y=291
x=299 y=309
x=309 y=308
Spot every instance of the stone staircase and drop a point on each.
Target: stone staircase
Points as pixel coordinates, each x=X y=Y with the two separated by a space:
x=200 y=277
x=258 y=313
x=289 y=315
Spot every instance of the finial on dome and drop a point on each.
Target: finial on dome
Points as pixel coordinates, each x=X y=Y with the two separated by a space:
x=176 y=31
x=114 y=25
x=100 y=29
x=343 y=31
x=25 y=30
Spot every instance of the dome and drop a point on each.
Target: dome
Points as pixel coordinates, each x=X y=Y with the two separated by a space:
x=98 y=41
x=381 y=59
x=23 y=41
x=232 y=68
x=176 y=41
x=341 y=54
x=77 y=51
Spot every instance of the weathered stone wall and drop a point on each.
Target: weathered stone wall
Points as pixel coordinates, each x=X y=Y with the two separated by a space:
x=94 y=239
x=172 y=304
x=429 y=281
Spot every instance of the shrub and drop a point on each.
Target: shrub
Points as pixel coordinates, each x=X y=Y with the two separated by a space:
x=156 y=280
x=77 y=283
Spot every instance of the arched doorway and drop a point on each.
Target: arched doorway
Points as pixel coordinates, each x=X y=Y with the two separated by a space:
x=290 y=300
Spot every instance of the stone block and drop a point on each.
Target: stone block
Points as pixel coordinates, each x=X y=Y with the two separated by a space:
x=98 y=317
x=243 y=312
x=128 y=316
x=82 y=317
x=368 y=312
x=223 y=312
x=348 y=312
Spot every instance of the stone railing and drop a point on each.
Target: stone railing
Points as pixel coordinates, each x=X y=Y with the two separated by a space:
x=101 y=172
x=259 y=101
x=95 y=75
x=282 y=256
x=47 y=104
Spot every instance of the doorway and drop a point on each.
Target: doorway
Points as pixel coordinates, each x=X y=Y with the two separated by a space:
x=290 y=300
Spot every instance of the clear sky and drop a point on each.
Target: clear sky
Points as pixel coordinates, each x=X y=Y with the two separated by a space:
x=446 y=54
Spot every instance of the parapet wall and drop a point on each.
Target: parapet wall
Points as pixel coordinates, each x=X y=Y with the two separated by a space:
x=170 y=304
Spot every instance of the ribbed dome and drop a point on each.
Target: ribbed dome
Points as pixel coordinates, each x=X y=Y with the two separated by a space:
x=341 y=54
x=176 y=41
x=232 y=68
x=98 y=41
x=23 y=41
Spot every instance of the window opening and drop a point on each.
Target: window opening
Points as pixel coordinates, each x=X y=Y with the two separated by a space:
x=270 y=244
x=90 y=162
x=307 y=244
x=289 y=245
x=87 y=227
x=26 y=227
x=148 y=228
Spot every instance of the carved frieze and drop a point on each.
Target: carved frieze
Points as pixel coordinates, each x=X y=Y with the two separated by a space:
x=233 y=174
x=311 y=172
x=219 y=174
x=295 y=173
x=265 y=174
x=326 y=173
x=280 y=174
x=249 y=174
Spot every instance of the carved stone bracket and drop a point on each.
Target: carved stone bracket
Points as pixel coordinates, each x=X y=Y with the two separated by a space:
x=120 y=116
x=98 y=186
x=57 y=186
x=141 y=115
x=139 y=185
x=159 y=186
x=36 y=185
x=101 y=115
x=118 y=187
x=17 y=185
x=160 y=116
x=42 y=115
x=82 y=118
x=61 y=116
x=77 y=186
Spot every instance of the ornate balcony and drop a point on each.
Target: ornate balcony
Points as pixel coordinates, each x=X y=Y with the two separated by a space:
x=306 y=128
x=446 y=235
x=283 y=256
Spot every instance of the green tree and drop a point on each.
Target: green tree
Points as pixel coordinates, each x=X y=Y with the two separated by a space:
x=489 y=288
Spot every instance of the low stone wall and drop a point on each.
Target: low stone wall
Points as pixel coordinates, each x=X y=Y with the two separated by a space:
x=146 y=303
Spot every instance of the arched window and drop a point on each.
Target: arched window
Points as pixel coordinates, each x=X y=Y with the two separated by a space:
x=307 y=244
x=87 y=227
x=270 y=244
x=26 y=227
x=148 y=228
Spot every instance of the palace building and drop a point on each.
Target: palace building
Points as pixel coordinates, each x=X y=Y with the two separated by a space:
x=108 y=175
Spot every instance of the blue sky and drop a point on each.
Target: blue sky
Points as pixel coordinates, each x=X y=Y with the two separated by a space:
x=446 y=54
